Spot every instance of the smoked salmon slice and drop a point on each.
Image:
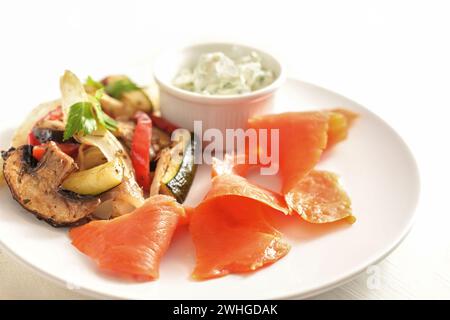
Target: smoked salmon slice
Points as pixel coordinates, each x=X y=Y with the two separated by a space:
x=302 y=138
x=339 y=123
x=230 y=164
x=230 y=230
x=234 y=185
x=318 y=198
x=315 y=195
x=131 y=246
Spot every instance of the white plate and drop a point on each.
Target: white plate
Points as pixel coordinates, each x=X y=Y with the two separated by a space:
x=376 y=168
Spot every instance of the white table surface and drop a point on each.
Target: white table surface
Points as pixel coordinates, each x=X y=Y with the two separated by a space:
x=391 y=56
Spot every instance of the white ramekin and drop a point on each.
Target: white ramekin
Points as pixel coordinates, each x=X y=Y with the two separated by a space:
x=183 y=107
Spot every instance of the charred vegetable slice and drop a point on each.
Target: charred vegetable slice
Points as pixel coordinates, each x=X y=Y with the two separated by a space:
x=89 y=157
x=160 y=139
x=127 y=194
x=123 y=97
x=163 y=124
x=44 y=135
x=175 y=170
x=95 y=180
x=71 y=149
x=116 y=86
x=36 y=185
x=123 y=89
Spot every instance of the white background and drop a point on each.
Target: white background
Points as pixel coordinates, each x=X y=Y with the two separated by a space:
x=391 y=56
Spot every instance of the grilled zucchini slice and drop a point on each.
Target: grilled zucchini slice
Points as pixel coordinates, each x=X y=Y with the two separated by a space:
x=95 y=180
x=176 y=169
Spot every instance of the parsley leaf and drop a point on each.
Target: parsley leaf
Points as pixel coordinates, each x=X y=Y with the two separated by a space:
x=99 y=93
x=81 y=119
x=117 y=88
x=105 y=120
x=86 y=117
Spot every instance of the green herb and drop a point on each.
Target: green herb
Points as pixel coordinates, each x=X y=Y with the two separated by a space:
x=99 y=93
x=117 y=88
x=93 y=83
x=81 y=120
x=114 y=89
x=105 y=120
x=86 y=117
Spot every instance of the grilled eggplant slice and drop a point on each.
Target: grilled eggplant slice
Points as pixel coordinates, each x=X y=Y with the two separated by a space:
x=36 y=186
x=175 y=168
x=44 y=135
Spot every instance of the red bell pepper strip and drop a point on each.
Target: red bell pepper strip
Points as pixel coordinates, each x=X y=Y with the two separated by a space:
x=32 y=140
x=163 y=124
x=38 y=152
x=56 y=114
x=140 y=149
x=71 y=149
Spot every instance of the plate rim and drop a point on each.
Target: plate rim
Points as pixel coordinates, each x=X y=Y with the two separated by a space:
x=316 y=290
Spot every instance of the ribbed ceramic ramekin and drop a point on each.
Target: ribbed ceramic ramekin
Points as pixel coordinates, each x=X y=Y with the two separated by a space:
x=221 y=112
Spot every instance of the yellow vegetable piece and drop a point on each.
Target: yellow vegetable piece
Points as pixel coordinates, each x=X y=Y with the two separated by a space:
x=90 y=157
x=95 y=180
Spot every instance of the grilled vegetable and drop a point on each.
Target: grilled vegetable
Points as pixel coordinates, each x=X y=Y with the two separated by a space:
x=95 y=180
x=44 y=135
x=21 y=135
x=70 y=149
x=124 y=132
x=32 y=140
x=161 y=130
x=89 y=157
x=36 y=185
x=126 y=98
x=82 y=113
x=123 y=97
x=163 y=124
x=175 y=169
x=140 y=149
x=38 y=152
x=137 y=99
x=118 y=85
x=127 y=194
x=160 y=141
